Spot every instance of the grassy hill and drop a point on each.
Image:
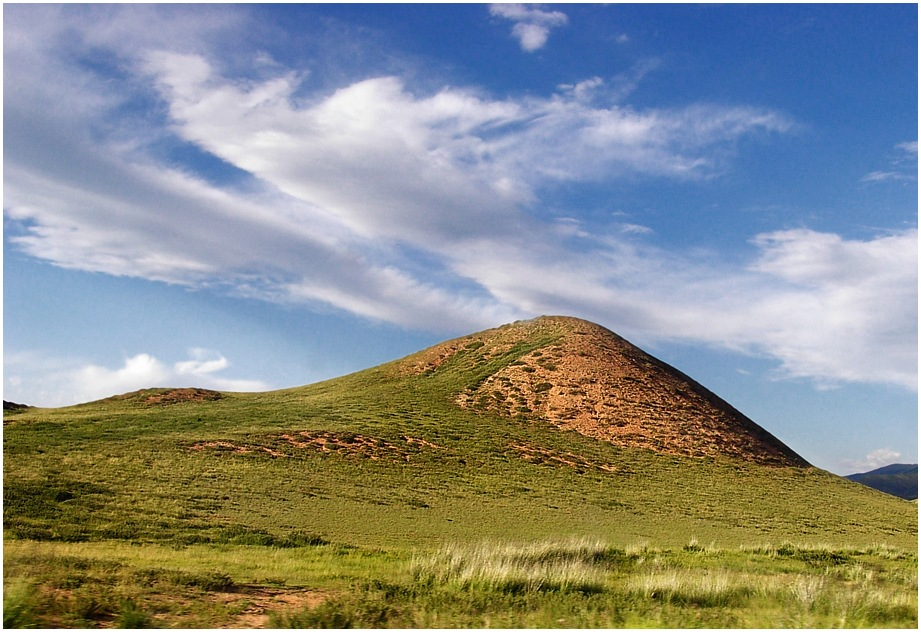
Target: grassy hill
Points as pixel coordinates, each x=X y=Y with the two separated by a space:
x=496 y=437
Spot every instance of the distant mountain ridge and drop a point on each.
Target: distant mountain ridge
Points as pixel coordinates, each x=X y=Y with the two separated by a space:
x=584 y=377
x=898 y=479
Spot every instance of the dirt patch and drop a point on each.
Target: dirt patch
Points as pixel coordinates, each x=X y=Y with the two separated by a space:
x=359 y=445
x=236 y=448
x=179 y=395
x=542 y=456
x=255 y=605
x=166 y=396
x=341 y=443
x=480 y=348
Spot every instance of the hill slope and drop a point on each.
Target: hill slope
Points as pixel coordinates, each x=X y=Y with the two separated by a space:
x=530 y=430
x=897 y=479
x=590 y=380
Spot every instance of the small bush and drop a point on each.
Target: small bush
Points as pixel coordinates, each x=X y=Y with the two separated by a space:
x=132 y=617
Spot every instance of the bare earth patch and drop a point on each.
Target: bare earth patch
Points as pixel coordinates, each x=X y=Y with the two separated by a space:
x=594 y=382
x=342 y=443
x=534 y=454
x=257 y=603
x=167 y=396
x=178 y=395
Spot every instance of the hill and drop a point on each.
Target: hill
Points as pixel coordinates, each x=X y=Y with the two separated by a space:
x=550 y=426
x=897 y=479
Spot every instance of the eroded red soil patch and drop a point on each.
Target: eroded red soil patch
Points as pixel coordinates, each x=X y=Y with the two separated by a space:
x=537 y=455
x=236 y=448
x=348 y=443
x=178 y=395
x=345 y=444
x=163 y=397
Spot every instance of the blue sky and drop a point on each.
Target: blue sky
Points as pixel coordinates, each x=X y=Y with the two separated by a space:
x=249 y=197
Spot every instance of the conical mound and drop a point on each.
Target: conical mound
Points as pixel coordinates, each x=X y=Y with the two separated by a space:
x=580 y=376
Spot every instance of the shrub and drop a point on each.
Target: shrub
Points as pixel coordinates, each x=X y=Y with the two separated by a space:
x=132 y=617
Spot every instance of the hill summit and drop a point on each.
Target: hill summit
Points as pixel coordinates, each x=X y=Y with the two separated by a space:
x=580 y=376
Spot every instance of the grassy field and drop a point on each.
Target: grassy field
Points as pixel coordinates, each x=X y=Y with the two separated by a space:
x=549 y=584
x=373 y=500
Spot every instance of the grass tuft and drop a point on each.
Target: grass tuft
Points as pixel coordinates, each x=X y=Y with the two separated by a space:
x=19 y=601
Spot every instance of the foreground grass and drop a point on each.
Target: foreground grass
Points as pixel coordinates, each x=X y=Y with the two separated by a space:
x=573 y=583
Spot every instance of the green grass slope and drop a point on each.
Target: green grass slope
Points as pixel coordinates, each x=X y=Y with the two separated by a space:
x=386 y=457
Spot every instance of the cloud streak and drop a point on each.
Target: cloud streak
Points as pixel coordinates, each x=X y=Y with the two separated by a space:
x=902 y=167
x=421 y=208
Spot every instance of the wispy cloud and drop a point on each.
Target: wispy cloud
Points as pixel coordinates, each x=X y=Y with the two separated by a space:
x=532 y=25
x=903 y=166
x=883 y=176
x=417 y=207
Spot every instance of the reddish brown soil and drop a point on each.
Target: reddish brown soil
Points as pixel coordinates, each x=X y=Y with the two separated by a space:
x=344 y=444
x=236 y=448
x=594 y=382
x=534 y=454
x=179 y=395
x=260 y=601
x=164 y=397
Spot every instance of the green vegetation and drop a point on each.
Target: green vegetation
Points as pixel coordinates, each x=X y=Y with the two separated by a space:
x=366 y=500
x=549 y=584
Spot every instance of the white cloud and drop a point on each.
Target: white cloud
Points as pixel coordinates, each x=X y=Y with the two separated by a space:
x=203 y=362
x=846 y=310
x=95 y=382
x=381 y=158
x=636 y=229
x=583 y=90
x=910 y=147
x=532 y=25
x=39 y=380
x=875 y=460
x=882 y=176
